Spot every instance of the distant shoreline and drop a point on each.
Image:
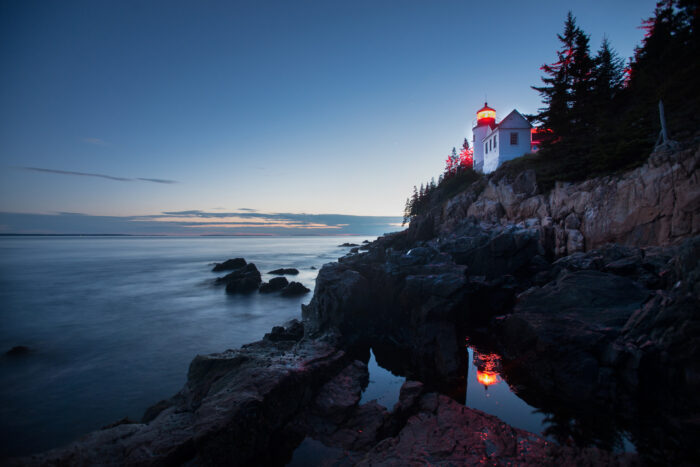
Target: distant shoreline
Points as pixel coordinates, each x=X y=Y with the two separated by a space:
x=180 y=236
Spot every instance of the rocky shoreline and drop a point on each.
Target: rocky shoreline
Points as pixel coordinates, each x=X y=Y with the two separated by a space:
x=589 y=293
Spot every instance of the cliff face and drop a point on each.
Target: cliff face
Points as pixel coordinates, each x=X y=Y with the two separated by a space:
x=655 y=204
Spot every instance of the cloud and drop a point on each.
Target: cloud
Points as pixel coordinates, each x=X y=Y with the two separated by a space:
x=88 y=174
x=182 y=213
x=195 y=222
x=286 y=221
x=157 y=180
x=248 y=209
x=96 y=141
x=81 y=174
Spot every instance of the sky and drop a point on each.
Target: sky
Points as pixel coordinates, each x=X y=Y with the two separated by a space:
x=290 y=116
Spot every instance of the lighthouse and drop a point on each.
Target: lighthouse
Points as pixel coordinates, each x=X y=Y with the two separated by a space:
x=485 y=122
x=496 y=143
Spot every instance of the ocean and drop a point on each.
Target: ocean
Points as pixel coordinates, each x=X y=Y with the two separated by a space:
x=112 y=323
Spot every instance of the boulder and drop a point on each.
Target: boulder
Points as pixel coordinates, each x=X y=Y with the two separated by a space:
x=346 y=244
x=285 y=271
x=292 y=331
x=229 y=265
x=294 y=289
x=340 y=300
x=242 y=280
x=275 y=284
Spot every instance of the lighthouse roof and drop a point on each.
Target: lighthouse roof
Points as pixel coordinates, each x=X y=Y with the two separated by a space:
x=486 y=107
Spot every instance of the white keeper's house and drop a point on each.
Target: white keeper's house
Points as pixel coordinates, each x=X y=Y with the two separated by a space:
x=495 y=143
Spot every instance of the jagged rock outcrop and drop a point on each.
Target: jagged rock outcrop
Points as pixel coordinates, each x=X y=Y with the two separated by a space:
x=274 y=285
x=245 y=279
x=294 y=289
x=655 y=204
x=283 y=271
x=230 y=265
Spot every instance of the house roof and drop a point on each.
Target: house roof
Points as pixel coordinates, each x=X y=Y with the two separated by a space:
x=515 y=117
x=512 y=121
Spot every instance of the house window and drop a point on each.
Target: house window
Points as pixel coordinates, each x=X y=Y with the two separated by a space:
x=486 y=148
x=513 y=139
x=495 y=141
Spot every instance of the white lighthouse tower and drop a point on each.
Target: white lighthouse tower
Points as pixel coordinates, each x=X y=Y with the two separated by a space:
x=485 y=122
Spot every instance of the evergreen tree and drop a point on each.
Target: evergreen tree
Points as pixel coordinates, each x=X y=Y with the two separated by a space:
x=406 y=212
x=466 y=156
x=556 y=92
x=582 y=81
x=452 y=163
x=666 y=67
x=609 y=74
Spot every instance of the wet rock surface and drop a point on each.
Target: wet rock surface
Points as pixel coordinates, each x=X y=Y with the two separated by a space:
x=283 y=271
x=275 y=284
x=294 y=289
x=242 y=280
x=229 y=265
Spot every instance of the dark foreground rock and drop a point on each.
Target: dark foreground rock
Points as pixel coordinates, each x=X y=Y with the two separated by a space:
x=570 y=323
x=229 y=412
x=294 y=289
x=283 y=271
x=229 y=265
x=423 y=428
x=346 y=244
x=253 y=406
x=242 y=280
x=274 y=285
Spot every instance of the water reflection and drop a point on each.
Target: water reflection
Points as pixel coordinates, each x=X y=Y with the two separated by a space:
x=485 y=381
x=490 y=391
x=488 y=368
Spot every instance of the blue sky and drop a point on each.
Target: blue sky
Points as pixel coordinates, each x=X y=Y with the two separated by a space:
x=121 y=109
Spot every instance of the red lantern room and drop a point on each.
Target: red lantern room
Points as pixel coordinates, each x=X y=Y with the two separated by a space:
x=486 y=116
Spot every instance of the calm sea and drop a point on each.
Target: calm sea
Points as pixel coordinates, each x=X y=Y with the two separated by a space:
x=113 y=323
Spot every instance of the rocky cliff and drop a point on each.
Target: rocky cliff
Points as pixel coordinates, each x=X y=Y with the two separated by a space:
x=655 y=204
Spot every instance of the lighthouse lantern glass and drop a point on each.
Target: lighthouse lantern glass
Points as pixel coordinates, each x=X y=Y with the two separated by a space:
x=486 y=114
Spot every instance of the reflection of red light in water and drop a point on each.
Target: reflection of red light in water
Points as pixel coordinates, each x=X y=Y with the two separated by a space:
x=487 y=378
x=488 y=367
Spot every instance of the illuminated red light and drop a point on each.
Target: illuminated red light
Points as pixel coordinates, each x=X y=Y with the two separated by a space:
x=487 y=378
x=486 y=114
